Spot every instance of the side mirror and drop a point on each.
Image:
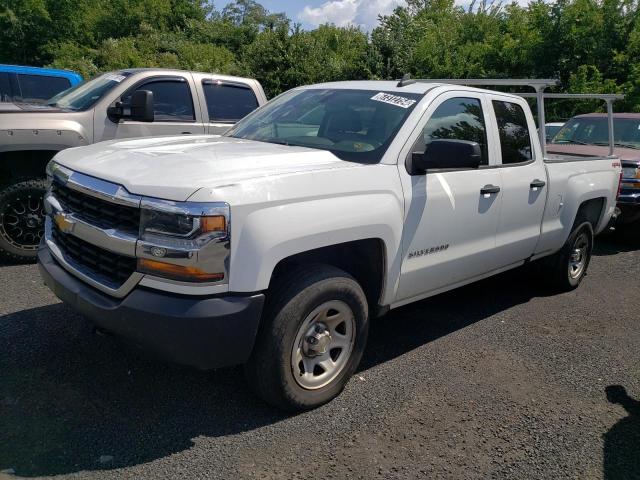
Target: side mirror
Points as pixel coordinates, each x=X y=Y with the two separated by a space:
x=139 y=108
x=142 y=106
x=444 y=153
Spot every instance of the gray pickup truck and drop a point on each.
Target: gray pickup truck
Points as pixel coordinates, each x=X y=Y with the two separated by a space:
x=122 y=104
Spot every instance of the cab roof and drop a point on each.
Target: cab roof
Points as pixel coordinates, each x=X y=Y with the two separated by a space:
x=420 y=87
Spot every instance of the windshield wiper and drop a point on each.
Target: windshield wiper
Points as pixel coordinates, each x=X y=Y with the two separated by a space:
x=279 y=142
x=578 y=142
x=627 y=145
x=619 y=144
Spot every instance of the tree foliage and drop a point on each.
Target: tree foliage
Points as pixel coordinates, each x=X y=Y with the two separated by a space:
x=591 y=45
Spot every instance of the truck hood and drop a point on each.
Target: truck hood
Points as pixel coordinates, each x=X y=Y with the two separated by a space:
x=174 y=168
x=7 y=107
x=627 y=154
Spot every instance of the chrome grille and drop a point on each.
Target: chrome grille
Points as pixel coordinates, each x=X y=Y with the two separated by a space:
x=98 y=212
x=104 y=266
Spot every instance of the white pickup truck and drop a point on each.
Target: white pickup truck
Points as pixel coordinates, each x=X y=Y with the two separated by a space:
x=273 y=245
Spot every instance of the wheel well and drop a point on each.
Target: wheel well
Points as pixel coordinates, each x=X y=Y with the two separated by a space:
x=23 y=164
x=364 y=260
x=590 y=211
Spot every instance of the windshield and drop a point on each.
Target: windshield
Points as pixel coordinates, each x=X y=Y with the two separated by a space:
x=595 y=131
x=355 y=125
x=551 y=130
x=85 y=94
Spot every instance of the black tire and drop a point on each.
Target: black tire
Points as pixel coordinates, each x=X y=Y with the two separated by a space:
x=22 y=219
x=558 y=267
x=270 y=370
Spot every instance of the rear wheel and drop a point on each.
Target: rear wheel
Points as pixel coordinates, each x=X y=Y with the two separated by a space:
x=311 y=339
x=22 y=219
x=568 y=267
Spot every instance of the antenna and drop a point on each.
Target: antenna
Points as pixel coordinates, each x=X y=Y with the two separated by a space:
x=406 y=80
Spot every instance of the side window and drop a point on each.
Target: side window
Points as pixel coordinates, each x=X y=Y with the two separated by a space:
x=228 y=103
x=37 y=88
x=515 y=140
x=458 y=118
x=172 y=100
x=5 y=88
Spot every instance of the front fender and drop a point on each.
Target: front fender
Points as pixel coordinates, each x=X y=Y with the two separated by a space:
x=43 y=134
x=262 y=237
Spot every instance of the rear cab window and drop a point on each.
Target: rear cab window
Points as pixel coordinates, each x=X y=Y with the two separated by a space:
x=515 y=138
x=228 y=102
x=6 y=94
x=38 y=88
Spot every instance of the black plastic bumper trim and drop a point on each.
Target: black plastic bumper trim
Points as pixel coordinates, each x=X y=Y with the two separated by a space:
x=204 y=332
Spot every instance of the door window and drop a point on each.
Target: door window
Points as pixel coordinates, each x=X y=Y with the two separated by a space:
x=36 y=88
x=459 y=118
x=228 y=103
x=172 y=100
x=515 y=140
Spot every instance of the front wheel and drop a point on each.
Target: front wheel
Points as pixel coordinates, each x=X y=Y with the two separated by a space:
x=568 y=267
x=22 y=219
x=311 y=339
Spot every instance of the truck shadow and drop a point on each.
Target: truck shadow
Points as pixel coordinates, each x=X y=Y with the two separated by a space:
x=622 y=441
x=626 y=238
x=74 y=401
x=418 y=323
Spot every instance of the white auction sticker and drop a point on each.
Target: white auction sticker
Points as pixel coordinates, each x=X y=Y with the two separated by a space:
x=396 y=100
x=114 y=77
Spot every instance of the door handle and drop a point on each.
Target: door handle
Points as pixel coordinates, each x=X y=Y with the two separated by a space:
x=185 y=133
x=489 y=189
x=538 y=183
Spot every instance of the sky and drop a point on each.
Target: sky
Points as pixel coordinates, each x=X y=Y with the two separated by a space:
x=311 y=13
x=362 y=13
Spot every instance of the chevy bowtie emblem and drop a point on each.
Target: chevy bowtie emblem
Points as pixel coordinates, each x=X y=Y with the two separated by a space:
x=64 y=223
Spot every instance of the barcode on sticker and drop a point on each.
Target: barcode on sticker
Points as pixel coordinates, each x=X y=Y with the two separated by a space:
x=396 y=100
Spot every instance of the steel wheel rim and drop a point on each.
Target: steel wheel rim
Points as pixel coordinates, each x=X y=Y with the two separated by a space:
x=315 y=365
x=22 y=221
x=578 y=257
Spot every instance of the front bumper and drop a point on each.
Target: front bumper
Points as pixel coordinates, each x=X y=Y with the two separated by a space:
x=629 y=201
x=629 y=197
x=204 y=332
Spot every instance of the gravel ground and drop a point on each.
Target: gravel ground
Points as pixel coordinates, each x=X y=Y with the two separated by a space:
x=501 y=379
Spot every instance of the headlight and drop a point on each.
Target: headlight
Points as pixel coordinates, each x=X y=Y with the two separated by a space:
x=181 y=225
x=183 y=240
x=629 y=172
x=183 y=222
x=54 y=169
x=49 y=170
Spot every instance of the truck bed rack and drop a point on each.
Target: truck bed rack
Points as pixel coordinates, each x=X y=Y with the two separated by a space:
x=539 y=85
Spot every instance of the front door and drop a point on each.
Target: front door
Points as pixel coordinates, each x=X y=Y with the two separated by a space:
x=174 y=108
x=451 y=216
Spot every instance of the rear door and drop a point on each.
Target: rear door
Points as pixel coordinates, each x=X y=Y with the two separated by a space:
x=174 y=105
x=523 y=180
x=450 y=224
x=227 y=102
